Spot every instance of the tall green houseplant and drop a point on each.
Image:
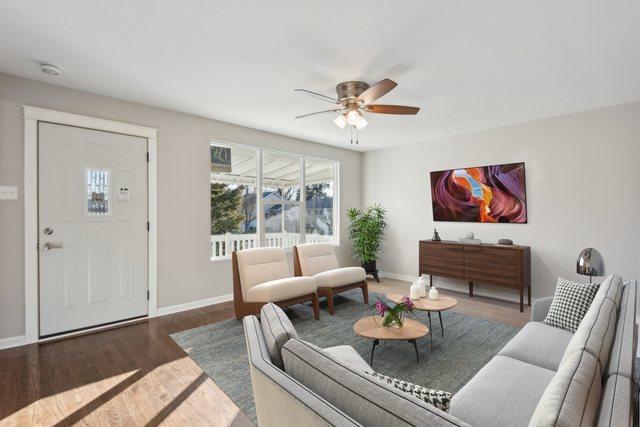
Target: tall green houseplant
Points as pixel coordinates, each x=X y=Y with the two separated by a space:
x=366 y=229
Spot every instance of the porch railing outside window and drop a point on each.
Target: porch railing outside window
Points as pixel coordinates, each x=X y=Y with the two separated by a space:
x=296 y=203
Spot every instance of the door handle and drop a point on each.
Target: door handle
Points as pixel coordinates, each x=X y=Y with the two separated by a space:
x=49 y=245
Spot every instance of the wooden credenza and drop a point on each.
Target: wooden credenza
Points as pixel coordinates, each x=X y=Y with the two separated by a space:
x=508 y=266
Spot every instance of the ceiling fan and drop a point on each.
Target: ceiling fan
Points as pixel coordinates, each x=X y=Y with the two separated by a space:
x=354 y=99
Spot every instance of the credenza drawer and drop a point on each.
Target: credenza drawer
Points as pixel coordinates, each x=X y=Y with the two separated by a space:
x=491 y=265
x=440 y=259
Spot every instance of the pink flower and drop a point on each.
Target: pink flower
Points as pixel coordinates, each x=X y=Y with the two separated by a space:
x=407 y=301
x=381 y=308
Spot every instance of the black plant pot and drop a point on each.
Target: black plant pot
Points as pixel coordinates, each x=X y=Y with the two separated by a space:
x=370 y=268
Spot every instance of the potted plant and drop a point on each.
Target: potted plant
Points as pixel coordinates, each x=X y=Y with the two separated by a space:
x=366 y=229
x=392 y=316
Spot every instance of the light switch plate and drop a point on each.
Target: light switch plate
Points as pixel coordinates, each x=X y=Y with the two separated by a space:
x=8 y=192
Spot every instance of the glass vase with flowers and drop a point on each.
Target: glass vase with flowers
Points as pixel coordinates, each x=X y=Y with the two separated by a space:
x=392 y=316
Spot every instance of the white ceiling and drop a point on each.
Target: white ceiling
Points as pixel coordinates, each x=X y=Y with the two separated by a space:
x=469 y=65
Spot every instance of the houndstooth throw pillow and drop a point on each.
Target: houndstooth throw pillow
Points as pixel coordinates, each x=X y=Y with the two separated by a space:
x=570 y=303
x=437 y=398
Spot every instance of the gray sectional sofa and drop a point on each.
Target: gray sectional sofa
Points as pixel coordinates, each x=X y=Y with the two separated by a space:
x=543 y=377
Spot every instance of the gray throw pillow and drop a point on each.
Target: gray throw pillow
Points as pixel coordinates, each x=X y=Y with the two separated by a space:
x=570 y=303
x=439 y=399
x=277 y=330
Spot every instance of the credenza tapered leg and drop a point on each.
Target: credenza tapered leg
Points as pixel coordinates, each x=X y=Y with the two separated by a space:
x=470 y=289
x=521 y=300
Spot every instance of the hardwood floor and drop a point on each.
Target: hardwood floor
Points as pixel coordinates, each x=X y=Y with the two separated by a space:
x=132 y=375
x=137 y=375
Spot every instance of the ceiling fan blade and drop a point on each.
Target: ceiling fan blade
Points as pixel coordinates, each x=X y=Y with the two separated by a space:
x=391 y=109
x=335 y=110
x=376 y=91
x=319 y=96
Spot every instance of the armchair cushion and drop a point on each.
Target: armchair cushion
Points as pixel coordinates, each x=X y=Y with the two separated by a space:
x=340 y=277
x=281 y=289
x=260 y=265
x=315 y=258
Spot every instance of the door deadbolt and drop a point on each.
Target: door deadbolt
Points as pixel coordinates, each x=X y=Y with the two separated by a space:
x=48 y=231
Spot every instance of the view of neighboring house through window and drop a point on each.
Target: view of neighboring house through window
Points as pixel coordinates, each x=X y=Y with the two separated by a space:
x=319 y=197
x=281 y=195
x=295 y=190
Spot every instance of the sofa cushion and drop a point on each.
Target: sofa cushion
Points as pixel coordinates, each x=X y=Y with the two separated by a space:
x=573 y=395
x=348 y=356
x=616 y=404
x=438 y=398
x=596 y=331
x=612 y=288
x=621 y=356
x=281 y=289
x=539 y=344
x=277 y=330
x=504 y=392
x=570 y=303
x=340 y=277
x=357 y=394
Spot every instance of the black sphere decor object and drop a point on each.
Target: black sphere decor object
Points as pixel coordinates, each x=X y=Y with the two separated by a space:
x=505 y=242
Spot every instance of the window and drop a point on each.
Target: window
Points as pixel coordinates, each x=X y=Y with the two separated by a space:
x=97 y=192
x=234 y=212
x=281 y=199
x=319 y=197
x=294 y=190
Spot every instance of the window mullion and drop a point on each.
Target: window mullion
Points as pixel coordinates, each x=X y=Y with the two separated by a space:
x=259 y=201
x=303 y=202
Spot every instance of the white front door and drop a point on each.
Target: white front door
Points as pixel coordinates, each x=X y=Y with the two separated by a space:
x=92 y=201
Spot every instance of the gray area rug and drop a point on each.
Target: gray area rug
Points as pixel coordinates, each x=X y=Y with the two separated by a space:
x=469 y=343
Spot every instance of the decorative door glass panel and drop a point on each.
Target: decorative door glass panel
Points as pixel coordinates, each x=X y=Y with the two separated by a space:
x=98 y=185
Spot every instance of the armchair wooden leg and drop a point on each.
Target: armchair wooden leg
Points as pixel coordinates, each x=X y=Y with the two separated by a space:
x=330 y=307
x=365 y=292
x=316 y=306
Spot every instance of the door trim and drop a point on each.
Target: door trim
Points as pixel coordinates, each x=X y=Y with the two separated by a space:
x=33 y=115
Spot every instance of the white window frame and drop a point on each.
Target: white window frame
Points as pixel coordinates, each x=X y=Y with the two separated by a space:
x=302 y=203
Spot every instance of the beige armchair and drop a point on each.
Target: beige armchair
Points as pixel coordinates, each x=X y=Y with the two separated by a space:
x=318 y=260
x=261 y=275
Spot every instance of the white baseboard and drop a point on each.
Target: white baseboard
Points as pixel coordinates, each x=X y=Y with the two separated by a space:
x=454 y=287
x=163 y=311
x=12 y=342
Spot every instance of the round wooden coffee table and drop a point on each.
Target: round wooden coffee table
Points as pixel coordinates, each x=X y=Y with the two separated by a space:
x=371 y=327
x=441 y=304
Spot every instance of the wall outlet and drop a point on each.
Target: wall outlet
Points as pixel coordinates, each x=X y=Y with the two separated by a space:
x=8 y=192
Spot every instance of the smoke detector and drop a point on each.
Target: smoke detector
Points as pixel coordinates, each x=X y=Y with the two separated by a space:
x=52 y=70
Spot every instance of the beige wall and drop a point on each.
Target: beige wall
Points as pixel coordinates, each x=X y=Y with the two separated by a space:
x=583 y=189
x=185 y=272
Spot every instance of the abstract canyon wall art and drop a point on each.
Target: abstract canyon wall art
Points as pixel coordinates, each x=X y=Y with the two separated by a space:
x=494 y=193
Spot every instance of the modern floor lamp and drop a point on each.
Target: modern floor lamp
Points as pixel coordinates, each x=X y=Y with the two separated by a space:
x=590 y=263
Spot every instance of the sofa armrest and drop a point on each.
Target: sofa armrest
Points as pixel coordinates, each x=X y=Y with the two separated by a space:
x=540 y=308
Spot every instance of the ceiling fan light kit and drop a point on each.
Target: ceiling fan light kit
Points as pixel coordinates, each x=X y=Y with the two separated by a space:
x=354 y=98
